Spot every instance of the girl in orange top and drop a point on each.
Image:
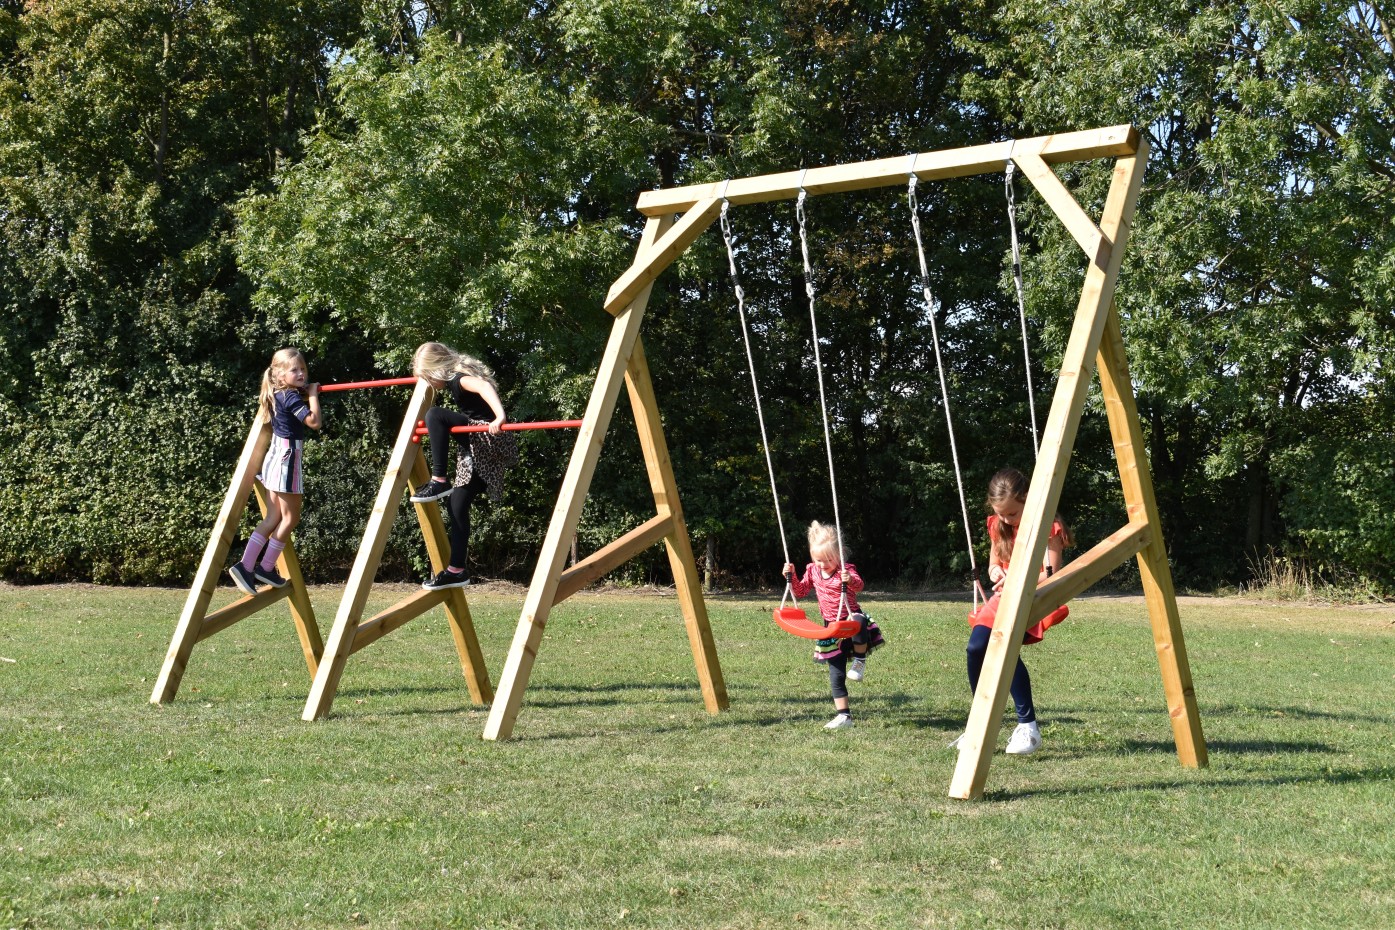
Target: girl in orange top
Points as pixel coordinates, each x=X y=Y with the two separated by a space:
x=1007 y=494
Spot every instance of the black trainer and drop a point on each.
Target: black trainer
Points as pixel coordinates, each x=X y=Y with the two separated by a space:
x=269 y=576
x=433 y=490
x=446 y=579
x=246 y=581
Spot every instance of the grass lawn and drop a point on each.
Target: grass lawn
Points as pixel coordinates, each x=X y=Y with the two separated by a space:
x=622 y=803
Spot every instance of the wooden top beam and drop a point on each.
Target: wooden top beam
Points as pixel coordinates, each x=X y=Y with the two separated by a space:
x=1109 y=142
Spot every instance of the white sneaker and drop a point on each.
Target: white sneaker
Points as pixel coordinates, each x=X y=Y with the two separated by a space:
x=858 y=669
x=1026 y=739
x=954 y=743
x=840 y=722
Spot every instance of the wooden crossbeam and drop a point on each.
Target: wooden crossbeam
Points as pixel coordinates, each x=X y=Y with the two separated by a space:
x=241 y=609
x=1063 y=204
x=1087 y=145
x=395 y=617
x=652 y=262
x=1079 y=574
x=603 y=561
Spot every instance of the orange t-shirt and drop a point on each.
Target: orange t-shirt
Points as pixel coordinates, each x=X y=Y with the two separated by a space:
x=989 y=611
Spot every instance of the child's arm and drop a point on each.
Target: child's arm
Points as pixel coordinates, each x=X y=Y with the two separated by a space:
x=491 y=397
x=1055 y=554
x=312 y=398
x=800 y=586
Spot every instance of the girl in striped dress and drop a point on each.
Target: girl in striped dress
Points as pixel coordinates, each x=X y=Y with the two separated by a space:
x=826 y=575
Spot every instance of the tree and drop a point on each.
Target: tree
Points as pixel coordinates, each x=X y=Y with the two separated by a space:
x=1254 y=295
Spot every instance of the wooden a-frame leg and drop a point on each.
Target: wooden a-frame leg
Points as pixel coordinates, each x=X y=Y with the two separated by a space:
x=302 y=612
x=1152 y=559
x=220 y=540
x=513 y=681
x=462 y=626
x=680 y=547
x=1044 y=492
x=370 y=553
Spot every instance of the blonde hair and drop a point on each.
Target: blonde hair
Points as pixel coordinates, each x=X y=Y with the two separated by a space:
x=1009 y=484
x=824 y=538
x=439 y=362
x=271 y=379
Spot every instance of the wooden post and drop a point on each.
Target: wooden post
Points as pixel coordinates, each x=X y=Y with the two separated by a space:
x=680 y=548
x=195 y=622
x=406 y=460
x=1044 y=492
x=1142 y=506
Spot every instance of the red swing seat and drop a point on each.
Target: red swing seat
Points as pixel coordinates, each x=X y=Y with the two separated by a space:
x=795 y=621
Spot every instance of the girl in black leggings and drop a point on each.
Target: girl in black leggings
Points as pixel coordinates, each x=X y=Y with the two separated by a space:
x=482 y=458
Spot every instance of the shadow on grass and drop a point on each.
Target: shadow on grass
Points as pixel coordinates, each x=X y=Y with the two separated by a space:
x=1330 y=777
x=1238 y=747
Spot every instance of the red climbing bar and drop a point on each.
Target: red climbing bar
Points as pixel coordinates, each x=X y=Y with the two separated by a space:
x=482 y=427
x=536 y=424
x=355 y=385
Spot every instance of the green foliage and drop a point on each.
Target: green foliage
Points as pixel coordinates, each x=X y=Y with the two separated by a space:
x=184 y=187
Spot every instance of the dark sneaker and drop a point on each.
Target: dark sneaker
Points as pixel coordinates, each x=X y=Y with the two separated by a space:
x=269 y=576
x=433 y=490
x=246 y=582
x=446 y=579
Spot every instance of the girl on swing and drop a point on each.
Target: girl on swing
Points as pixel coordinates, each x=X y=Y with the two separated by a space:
x=1007 y=494
x=826 y=574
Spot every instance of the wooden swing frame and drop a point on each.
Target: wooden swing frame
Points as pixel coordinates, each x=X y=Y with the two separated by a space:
x=678 y=216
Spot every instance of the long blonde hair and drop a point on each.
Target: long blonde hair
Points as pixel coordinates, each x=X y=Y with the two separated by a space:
x=271 y=379
x=441 y=363
x=1009 y=484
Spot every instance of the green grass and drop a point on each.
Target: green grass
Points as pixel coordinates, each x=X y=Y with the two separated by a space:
x=621 y=803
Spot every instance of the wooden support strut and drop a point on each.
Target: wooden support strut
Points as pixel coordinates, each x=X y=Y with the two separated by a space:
x=195 y=623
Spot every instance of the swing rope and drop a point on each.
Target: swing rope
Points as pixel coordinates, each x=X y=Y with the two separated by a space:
x=802 y=218
x=751 y=367
x=930 y=302
x=1021 y=301
x=792 y=620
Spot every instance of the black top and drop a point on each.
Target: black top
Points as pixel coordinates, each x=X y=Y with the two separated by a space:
x=470 y=403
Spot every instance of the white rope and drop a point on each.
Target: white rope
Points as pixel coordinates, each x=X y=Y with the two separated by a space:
x=818 y=368
x=944 y=387
x=1021 y=301
x=755 y=388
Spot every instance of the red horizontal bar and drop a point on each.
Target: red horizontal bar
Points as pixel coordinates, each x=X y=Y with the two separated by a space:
x=355 y=385
x=484 y=427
